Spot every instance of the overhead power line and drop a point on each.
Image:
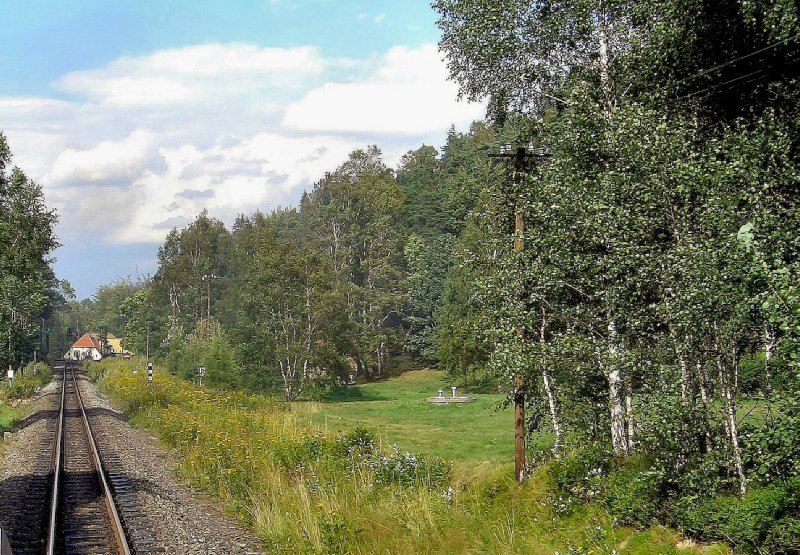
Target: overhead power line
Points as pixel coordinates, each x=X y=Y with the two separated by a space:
x=736 y=60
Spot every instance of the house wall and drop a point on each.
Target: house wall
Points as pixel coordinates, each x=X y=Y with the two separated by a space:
x=83 y=353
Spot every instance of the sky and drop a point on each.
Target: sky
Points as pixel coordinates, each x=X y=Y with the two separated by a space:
x=135 y=115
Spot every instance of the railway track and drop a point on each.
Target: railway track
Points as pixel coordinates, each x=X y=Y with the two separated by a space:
x=76 y=502
x=84 y=518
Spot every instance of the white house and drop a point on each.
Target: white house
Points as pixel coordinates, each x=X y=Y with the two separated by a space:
x=87 y=346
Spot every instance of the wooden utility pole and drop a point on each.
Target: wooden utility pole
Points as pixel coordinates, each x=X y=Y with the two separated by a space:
x=521 y=155
x=519 y=379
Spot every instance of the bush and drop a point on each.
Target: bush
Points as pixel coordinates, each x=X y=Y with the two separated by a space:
x=633 y=496
x=784 y=537
x=772 y=448
x=355 y=444
x=408 y=470
x=294 y=455
x=581 y=473
x=26 y=383
x=764 y=521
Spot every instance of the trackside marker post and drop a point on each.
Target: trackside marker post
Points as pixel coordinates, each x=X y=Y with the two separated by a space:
x=149 y=373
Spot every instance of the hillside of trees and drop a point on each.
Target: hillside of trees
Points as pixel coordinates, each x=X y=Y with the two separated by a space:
x=650 y=307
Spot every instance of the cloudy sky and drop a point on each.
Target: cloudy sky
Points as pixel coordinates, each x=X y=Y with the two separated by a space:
x=134 y=115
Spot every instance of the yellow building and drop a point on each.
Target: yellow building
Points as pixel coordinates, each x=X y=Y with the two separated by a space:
x=115 y=344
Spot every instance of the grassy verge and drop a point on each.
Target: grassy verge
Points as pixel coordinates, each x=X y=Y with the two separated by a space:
x=8 y=416
x=27 y=382
x=311 y=490
x=25 y=385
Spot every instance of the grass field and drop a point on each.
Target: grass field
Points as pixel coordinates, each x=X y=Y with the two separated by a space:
x=306 y=484
x=397 y=412
x=8 y=416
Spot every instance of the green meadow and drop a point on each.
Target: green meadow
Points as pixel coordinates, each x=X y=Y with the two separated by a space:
x=397 y=412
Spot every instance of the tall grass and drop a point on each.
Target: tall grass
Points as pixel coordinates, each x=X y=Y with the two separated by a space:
x=305 y=491
x=26 y=383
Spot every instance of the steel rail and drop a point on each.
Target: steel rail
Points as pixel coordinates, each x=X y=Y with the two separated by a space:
x=119 y=531
x=56 y=465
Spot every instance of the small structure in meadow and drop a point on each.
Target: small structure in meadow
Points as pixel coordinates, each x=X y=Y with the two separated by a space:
x=440 y=399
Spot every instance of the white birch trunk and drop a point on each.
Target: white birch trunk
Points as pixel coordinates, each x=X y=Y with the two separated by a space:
x=704 y=397
x=619 y=439
x=683 y=364
x=604 y=58
x=731 y=426
x=770 y=344
x=630 y=419
x=548 y=382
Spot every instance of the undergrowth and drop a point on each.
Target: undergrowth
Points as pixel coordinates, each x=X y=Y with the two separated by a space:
x=27 y=382
x=306 y=491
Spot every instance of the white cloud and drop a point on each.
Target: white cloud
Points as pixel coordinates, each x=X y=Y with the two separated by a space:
x=149 y=141
x=379 y=18
x=408 y=93
x=109 y=160
x=194 y=73
x=264 y=170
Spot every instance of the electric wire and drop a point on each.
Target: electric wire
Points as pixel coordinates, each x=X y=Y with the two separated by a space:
x=735 y=60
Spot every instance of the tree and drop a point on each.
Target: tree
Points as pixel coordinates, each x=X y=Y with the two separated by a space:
x=292 y=320
x=633 y=113
x=185 y=290
x=355 y=211
x=27 y=283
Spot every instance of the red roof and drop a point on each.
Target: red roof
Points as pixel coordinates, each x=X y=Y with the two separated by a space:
x=88 y=341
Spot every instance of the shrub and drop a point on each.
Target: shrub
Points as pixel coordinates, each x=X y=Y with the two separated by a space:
x=784 y=537
x=408 y=470
x=633 y=496
x=761 y=522
x=355 y=444
x=26 y=383
x=292 y=455
x=772 y=448
x=581 y=473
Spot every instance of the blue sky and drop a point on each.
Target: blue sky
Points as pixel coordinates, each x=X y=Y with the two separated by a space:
x=136 y=115
x=43 y=39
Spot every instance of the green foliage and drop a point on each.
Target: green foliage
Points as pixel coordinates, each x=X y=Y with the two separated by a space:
x=209 y=347
x=355 y=444
x=323 y=495
x=772 y=447
x=649 y=310
x=409 y=470
x=8 y=417
x=633 y=495
x=761 y=522
x=28 y=382
x=28 y=288
x=580 y=474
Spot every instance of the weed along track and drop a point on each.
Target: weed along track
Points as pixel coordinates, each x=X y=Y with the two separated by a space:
x=91 y=507
x=30 y=491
